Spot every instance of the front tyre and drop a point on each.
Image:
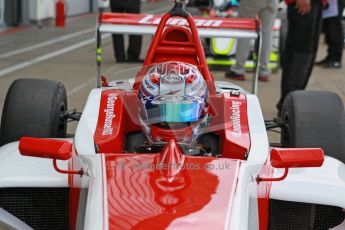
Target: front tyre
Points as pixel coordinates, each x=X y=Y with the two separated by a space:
x=314 y=119
x=33 y=107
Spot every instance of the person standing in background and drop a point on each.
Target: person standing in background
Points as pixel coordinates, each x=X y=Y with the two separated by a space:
x=334 y=36
x=304 y=26
x=134 y=48
x=267 y=11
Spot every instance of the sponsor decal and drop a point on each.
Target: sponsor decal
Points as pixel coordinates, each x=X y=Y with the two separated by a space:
x=150 y=19
x=236 y=119
x=173 y=99
x=172 y=79
x=109 y=114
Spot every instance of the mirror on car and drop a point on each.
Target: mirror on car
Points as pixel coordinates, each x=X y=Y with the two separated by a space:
x=45 y=148
x=296 y=157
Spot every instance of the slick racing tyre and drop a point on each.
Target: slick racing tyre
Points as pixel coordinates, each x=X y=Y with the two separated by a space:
x=33 y=107
x=314 y=119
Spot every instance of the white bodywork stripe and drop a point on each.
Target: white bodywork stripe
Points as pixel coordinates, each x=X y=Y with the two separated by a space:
x=95 y=216
x=83 y=140
x=23 y=171
x=320 y=185
x=259 y=144
x=241 y=216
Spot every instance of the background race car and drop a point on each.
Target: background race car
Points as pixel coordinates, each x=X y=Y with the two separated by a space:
x=221 y=51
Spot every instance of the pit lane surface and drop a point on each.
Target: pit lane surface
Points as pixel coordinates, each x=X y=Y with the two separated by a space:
x=68 y=55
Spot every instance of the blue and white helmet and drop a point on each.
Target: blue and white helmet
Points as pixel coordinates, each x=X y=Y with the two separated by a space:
x=173 y=92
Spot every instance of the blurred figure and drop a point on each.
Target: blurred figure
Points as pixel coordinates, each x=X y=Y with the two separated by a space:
x=134 y=48
x=266 y=10
x=334 y=37
x=304 y=25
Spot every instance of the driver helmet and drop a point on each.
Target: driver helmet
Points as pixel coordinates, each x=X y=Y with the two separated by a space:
x=173 y=102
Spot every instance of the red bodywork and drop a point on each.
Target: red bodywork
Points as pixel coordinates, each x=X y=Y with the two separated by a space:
x=153 y=191
x=298 y=157
x=46 y=148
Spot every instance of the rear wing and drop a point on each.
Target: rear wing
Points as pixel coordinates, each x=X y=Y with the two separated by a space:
x=146 y=24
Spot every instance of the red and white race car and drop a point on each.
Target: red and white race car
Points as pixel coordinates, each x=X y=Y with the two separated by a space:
x=170 y=148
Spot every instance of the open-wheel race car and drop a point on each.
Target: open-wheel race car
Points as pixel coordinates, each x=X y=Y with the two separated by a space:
x=170 y=148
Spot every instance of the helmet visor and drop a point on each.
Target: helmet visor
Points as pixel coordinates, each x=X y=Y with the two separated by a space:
x=172 y=108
